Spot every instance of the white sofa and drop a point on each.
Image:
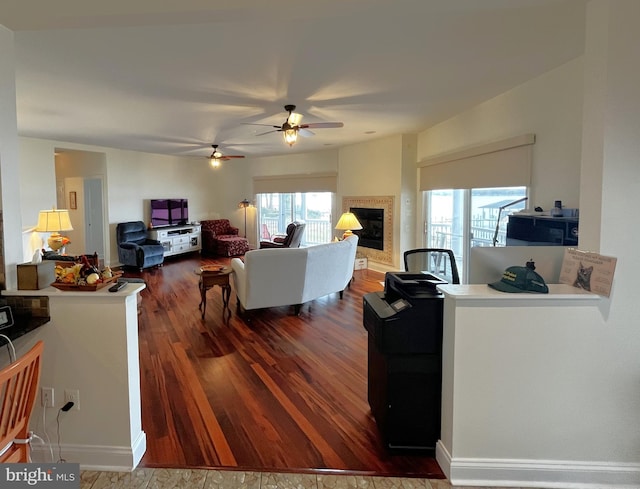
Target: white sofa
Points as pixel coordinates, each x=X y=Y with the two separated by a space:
x=292 y=276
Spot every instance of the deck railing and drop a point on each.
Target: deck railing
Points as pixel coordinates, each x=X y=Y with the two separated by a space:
x=319 y=231
x=481 y=235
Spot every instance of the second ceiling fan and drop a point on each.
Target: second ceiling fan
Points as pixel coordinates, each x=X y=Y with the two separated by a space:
x=217 y=157
x=292 y=126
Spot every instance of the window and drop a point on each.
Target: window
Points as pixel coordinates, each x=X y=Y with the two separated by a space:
x=277 y=210
x=461 y=219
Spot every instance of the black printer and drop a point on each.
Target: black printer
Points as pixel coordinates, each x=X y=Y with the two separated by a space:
x=404 y=325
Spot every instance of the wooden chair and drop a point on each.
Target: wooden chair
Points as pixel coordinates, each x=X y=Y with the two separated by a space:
x=18 y=390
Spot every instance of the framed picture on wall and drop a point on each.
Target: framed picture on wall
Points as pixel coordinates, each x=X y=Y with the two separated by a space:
x=73 y=203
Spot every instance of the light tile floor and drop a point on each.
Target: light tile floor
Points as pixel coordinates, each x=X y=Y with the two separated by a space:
x=144 y=478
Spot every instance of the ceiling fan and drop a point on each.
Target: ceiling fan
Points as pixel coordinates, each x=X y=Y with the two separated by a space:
x=292 y=126
x=217 y=156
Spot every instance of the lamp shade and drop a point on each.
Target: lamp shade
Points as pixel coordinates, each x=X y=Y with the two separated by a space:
x=244 y=203
x=348 y=221
x=54 y=221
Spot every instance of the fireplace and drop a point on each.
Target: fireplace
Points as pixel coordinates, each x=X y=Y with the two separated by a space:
x=382 y=215
x=372 y=233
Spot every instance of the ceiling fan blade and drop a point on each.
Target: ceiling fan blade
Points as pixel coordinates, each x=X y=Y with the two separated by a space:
x=268 y=132
x=324 y=125
x=228 y=157
x=305 y=132
x=258 y=124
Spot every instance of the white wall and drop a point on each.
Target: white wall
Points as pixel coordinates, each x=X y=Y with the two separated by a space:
x=549 y=106
x=12 y=241
x=411 y=229
x=375 y=169
x=617 y=115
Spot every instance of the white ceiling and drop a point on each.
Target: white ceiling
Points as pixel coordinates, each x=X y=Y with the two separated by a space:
x=173 y=79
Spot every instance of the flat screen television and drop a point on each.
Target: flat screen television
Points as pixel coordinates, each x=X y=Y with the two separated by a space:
x=169 y=212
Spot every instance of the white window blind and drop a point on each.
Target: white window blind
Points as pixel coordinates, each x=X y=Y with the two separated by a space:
x=285 y=184
x=505 y=163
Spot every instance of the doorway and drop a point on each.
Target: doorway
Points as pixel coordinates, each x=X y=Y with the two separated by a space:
x=93 y=216
x=80 y=179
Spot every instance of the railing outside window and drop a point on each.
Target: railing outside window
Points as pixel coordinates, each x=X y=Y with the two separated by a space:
x=276 y=211
x=461 y=219
x=315 y=232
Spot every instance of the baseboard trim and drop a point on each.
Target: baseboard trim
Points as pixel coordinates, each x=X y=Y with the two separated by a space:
x=94 y=457
x=562 y=474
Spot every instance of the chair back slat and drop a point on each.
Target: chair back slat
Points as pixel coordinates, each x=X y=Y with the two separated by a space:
x=18 y=390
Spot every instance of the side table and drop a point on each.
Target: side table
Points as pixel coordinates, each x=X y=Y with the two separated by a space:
x=210 y=276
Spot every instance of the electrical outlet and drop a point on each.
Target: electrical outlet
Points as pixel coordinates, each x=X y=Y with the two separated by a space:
x=72 y=395
x=46 y=396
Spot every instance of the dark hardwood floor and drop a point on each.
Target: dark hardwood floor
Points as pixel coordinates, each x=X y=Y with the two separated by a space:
x=263 y=391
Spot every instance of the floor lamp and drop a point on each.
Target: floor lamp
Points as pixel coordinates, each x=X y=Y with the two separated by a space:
x=244 y=204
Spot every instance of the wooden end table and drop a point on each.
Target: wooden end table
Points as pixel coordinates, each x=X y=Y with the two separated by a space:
x=210 y=276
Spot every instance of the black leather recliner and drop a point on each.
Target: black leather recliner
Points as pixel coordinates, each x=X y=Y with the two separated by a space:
x=135 y=248
x=292 y=239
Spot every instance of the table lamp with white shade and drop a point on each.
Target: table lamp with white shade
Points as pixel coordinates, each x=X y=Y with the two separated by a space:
x=53 y=221
x=347 y=223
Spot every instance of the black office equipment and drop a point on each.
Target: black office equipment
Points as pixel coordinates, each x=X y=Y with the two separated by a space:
x=542 y=231
x=404 y=325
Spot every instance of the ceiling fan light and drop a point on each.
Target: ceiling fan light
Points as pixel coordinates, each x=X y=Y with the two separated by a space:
x=294 y=119
x=215 y=162
x=290 y=136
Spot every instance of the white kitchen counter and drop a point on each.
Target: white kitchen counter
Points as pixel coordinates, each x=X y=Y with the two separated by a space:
x=91 y=345
x=482 y=292
x=515 y=396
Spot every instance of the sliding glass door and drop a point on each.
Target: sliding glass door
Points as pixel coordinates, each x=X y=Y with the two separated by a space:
x=277 y=210
x=461 y=219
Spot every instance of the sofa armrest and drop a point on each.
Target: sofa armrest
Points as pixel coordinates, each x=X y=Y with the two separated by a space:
x=239 y=277
x=232 y=230
x=129 y=246
x=128 y=254
x=150 y=241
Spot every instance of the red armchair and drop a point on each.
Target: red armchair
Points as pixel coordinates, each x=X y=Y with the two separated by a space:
x=219 y=237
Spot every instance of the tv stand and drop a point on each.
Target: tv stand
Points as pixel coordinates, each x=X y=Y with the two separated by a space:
x=178 y=239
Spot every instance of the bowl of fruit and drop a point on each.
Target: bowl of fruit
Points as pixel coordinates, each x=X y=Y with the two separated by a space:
x=83 y=276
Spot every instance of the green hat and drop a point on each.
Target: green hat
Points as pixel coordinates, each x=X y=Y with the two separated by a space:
x=520 y=279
